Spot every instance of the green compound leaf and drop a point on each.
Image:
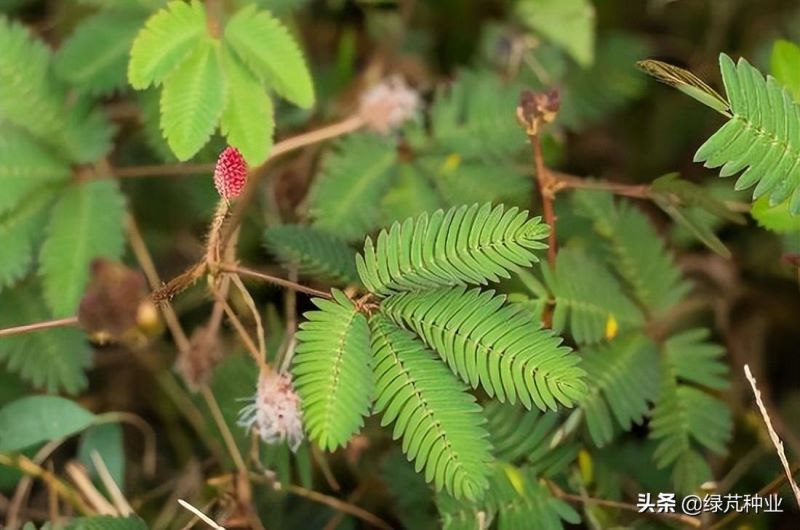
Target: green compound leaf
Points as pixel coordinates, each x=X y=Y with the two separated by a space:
x=266 y=46
x=193 y=100
x=588 y=298
x=570 y=24
x=333 y=371
x=52 y=360
x=20 y=231
x=440 y=423
x=314 y=252
x=34 y=101
x=490 y=343
x=94 y=58
x=25 y=165
x=248 y=120
x=86 y=223
x=762 y=138
x=167 y=39
x=623 y=380
x=345 y=196
x=466 y=245
x=36 y=419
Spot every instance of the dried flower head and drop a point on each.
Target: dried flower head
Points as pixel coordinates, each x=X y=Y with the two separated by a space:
x=388 y=104
x=275 y=411
x=230 y=174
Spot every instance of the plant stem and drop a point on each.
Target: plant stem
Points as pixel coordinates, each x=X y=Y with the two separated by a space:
x=243 y=271
x=39 y=326
x=547 y=189
x=326 y=132
x=681 y=518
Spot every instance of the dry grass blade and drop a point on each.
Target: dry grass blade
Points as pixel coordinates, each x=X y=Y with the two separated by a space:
x=776 y=441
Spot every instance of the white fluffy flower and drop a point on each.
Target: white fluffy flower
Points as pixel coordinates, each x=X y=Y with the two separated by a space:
x=388 y=104
x=274 y=412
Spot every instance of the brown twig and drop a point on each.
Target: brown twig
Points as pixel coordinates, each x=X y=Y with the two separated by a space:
x=771 y=487
x=340 y=505
x=243 y=271
x=39 y=326
x=682 y=518
x=548 y=191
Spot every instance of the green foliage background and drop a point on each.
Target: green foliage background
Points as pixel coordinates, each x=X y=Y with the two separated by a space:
x=440 y=399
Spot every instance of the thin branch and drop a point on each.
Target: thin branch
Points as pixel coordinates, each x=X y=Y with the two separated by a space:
x=227 y=436
x=84 y=484
x=148 y=266
x=31 y=468
x=771 y=487
x=290 y=144
x=39 y=326
x=119 y=500
x=547 y=190
x=340 y=505
x=148 y=434
x=288 y=284
x=200 y=515
x=776 y=441
x=681 y=518
x=346 y=126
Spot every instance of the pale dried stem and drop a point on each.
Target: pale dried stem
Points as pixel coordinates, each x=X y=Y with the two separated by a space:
x=776 y=441
x=77 y=473
x=120 y=503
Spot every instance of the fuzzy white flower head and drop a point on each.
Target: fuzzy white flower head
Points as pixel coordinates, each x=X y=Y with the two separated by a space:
x=387 y=105
x=274 y=412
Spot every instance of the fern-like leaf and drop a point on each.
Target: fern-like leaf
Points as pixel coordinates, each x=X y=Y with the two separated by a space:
x=32 y=100
x=468 y=182
x=515 y=498
x=25 y=165
x=762 y=138
x=471 y=118
x=248 y=121
x=636 y=251
x=86 y=223
x=315 y=253
x=587 y=298
x=497 y=346
x=522 y=503
x=411 y=194
x=193 y=100
x=623 y=378
x=20 y=230
x=94 y=58
x=168 y=38
x=466 y=245
x=266 y=46
x=345 y=196
x=440 y=423
x=333 y=371
x=52 y=360
x=686 y=413
x=520 y=434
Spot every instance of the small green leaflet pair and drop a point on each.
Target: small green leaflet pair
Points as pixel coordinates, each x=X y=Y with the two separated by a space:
x=210 y=80
x=388 y=347
x=761 y=137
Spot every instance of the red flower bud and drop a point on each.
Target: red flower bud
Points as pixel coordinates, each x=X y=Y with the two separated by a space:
x=230 y=175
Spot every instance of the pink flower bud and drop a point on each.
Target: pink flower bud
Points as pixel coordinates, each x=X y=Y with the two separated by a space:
x=230 y=175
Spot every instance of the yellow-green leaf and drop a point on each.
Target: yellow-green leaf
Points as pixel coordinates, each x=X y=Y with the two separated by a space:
x=193 y=99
